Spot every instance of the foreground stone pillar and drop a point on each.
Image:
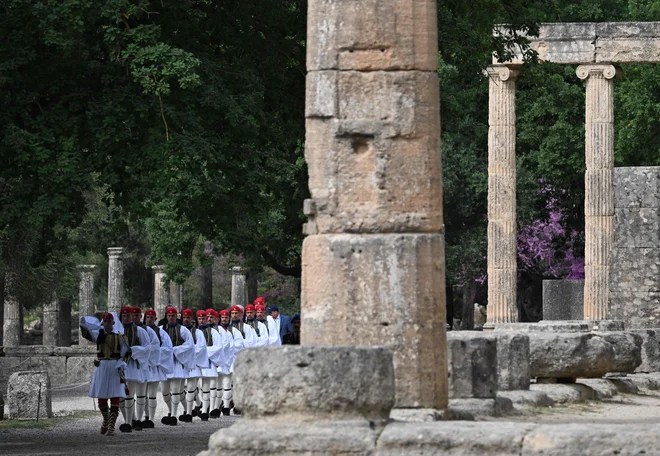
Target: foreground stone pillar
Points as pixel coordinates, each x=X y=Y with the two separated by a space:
x=374 y=254
x=599 y=191
x=502 y=267
x=238 y=287
x=321 y=400
x=12 y=329
x=51 y=323
x=115 y=279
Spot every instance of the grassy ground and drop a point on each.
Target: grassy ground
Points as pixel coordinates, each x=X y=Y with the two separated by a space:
x=46 y=422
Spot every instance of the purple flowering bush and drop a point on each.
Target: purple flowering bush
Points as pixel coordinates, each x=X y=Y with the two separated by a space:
x=546 y=246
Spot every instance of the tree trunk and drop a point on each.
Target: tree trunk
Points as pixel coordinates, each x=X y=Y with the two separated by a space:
x=206 y=296
x=252 y=286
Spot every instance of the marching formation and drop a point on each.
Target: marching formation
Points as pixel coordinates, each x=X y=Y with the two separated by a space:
x=191 y=359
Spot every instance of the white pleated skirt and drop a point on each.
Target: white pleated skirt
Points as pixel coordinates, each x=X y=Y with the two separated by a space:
x=134 y=373
x=156 y=374
x=179 y=371
x=211 y=371
x=195 y=372
x=106 y=380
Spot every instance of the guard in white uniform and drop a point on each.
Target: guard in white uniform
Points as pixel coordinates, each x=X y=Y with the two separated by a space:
x=108 y=379
x=183 y=360
x=260 y=330
x=160 y=364
x=214 y=352
x=267 y=320
x=201 y=361
x=137 y=367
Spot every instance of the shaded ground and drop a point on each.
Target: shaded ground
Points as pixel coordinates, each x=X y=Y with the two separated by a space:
x=78 y=435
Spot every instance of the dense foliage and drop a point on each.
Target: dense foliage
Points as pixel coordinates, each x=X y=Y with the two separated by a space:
x=157 y=125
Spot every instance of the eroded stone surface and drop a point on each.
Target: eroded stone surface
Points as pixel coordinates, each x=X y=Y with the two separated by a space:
x=563 y=300
x=472 y=365
x=522 y=398
x=512 y=361
x=561 y=392
x=391 y=287
x=29 y=395
x=315 y=382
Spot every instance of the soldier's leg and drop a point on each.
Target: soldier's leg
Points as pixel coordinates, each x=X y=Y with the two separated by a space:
x=176 y=389
x=226 y=394
x=152 y=403
x=140 y=404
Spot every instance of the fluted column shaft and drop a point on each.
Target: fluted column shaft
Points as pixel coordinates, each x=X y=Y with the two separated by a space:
x=238 y=287
x=12 y=329
x=176 y=295
x=161 y=294
x=599 y=191
x=502 y=268
x=86 y=304
x=51 y=323
x=115 y=279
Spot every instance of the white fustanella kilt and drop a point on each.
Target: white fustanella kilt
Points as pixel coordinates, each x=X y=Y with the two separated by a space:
x=106 y=380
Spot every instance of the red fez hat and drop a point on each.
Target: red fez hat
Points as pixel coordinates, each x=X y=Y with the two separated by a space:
x=186 y=313
x=171 y=310
x=210 y=309
x=259 y=307
x=200 y=313
x=260 y=299
x=236 y=308
x=212 y=313
x=249 y=307
x=136 y=310
x=126 y=310
x=224 y=312
x=150 y=312
x=107 y=316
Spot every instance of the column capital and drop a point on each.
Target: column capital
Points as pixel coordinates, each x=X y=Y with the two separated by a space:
x=158 y=268
x=608 y=71
x=115 y=251
x=503 y=72
x=86 y=267
x=237 y=270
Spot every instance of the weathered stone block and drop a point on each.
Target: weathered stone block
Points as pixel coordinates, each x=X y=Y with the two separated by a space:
x=563 y=300
x=481 y=407
x=453 y=438
x=527 y=398
x=472 y=364
x=569 y=355
x=626 y=42
x=265 y=437
x=375 y=165
x=637 y=187
x=29 y=350
x=650 y=350
x=545 y=326
x=561 y=393
x=627 y=350
x=389 y=286
x=639 y=309
x=29 y=396
x=637 y=227
x=315 y=382
x=637 y=269
x=406 y=36
x=512 y=361
x=76 y=350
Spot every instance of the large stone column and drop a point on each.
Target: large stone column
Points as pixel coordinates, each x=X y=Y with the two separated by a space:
x=599 y=192
x=238 y=287
x=12 y=329
x=374 y=255
x=115 y=279
x=502 y=268
x=51 y=323
x=161 y=293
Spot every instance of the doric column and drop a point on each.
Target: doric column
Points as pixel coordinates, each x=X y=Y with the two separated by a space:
x=12 y=329
x=238 y=287
x=115 y=279
x=374 y=252
x=502 y=269
x=86 y=304
x=51 y=322
x=599 y=192
x=161 y=293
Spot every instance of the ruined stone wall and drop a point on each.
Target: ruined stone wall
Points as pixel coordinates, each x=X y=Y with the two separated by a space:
x=635 y=272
